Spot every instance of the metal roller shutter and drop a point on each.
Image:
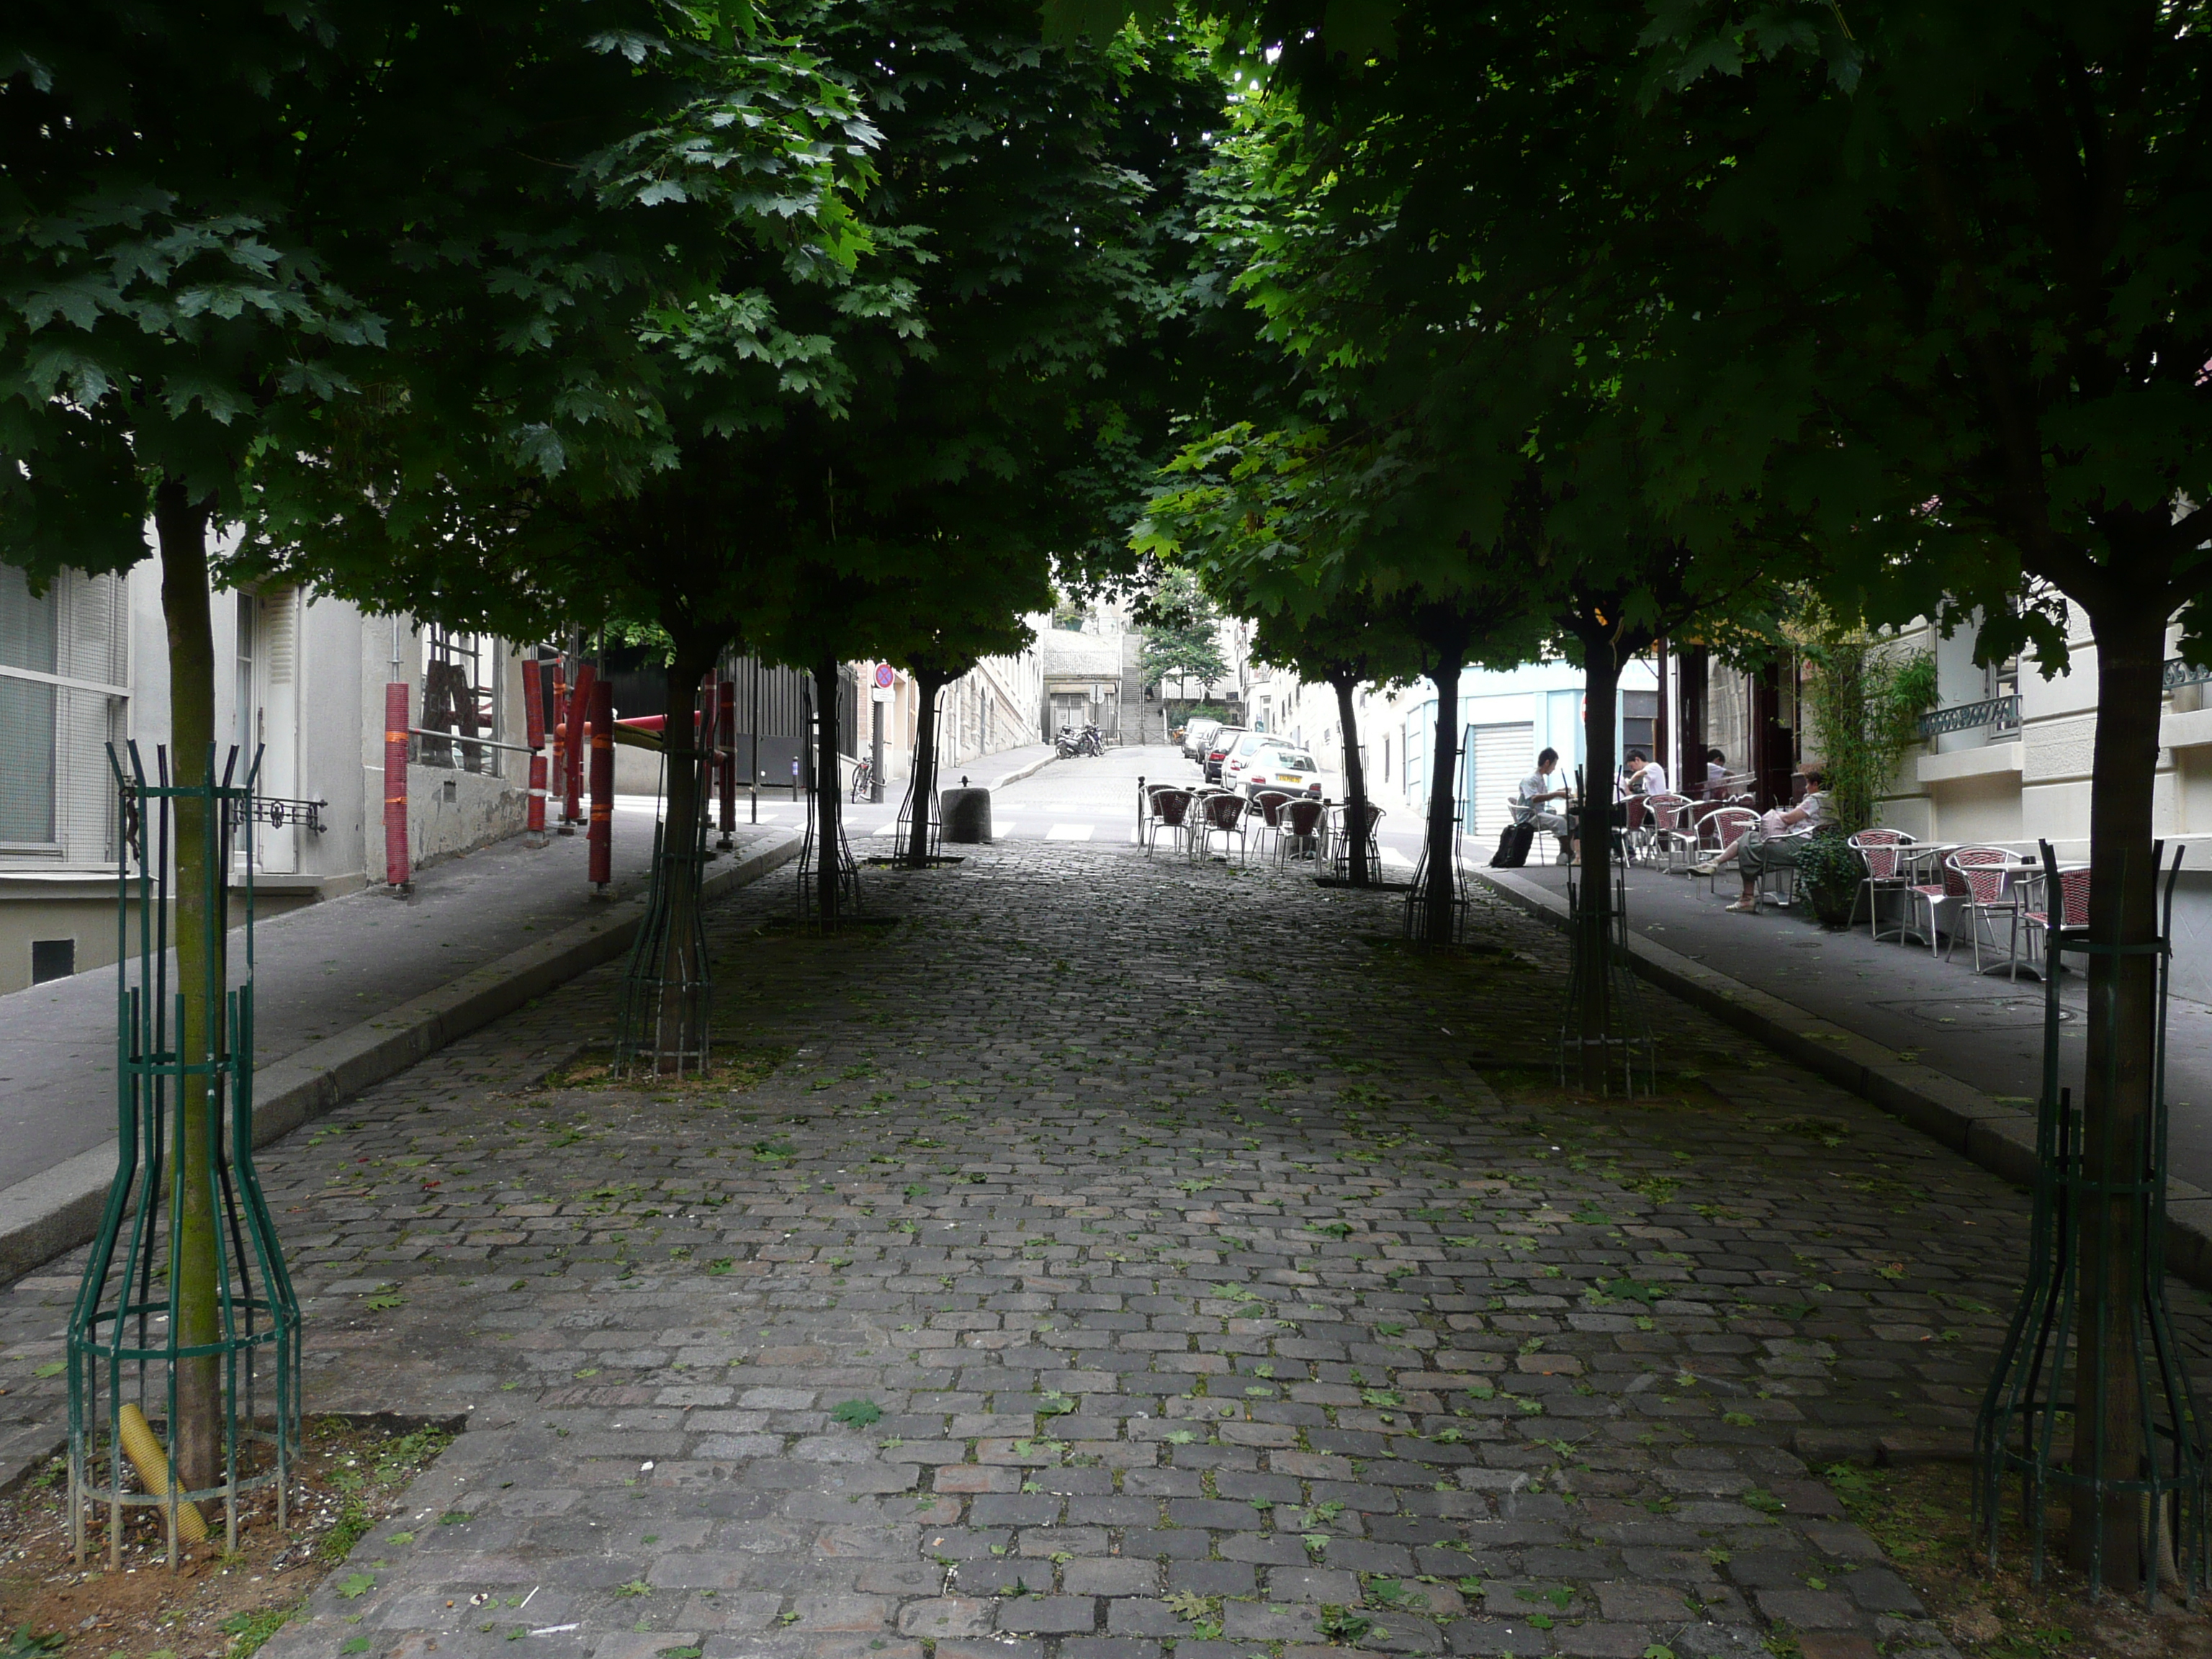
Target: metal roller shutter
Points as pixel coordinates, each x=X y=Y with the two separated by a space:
x=1498 y=758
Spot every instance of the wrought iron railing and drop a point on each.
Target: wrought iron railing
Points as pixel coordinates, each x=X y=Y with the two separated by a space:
x=2180 y=673
x=277 y=811
x=2000 y=712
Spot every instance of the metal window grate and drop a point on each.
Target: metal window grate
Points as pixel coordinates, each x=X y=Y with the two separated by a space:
x=460 y=695
x=2000 y=713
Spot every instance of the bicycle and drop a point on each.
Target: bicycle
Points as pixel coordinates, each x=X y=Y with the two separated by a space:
x=864 y=780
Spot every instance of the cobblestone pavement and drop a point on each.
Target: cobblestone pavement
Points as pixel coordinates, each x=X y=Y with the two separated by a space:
x=1210 y=1298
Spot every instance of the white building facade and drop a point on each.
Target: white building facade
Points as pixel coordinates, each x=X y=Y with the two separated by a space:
x=299 y=680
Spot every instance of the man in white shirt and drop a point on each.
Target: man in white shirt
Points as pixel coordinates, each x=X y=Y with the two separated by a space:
x=1539 y=787
x=1641 y=777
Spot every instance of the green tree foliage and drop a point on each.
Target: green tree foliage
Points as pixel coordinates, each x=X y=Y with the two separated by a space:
x=1182 y=633
x=1867 y=696
x=1967 y=313
x=230 y=224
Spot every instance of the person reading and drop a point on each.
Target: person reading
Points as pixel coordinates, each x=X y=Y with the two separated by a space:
x=1775 y=841
x=1640 y=778
x=1535 y=790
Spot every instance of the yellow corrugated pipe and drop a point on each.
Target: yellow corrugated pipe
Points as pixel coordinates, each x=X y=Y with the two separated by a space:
x=152 y=1463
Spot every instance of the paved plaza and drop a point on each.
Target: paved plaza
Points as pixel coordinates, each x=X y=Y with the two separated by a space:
x=1106 y=1256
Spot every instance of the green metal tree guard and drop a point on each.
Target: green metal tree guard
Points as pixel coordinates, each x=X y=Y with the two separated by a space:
x=124 y=1353
x=662 y=1023
x=1624 y=1039
x=2036 y=1382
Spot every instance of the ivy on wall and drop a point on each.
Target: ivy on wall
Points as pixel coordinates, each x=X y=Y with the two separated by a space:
x=1865 y=695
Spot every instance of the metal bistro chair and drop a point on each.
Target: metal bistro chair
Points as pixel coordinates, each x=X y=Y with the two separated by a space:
x=1339 y=840
x=1220 y=814
x=1881 y=852
x=2072 y=912
x=1665 y=836
x=1722 y=828
x=1301 y=829
x=1990 y=890
x=1947 y=888
x=1171 y=816
x=1269 y=804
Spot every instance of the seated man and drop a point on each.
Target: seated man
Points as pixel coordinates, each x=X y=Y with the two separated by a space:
x=1537 y=788
x=1640 y=777
x=1774 y=841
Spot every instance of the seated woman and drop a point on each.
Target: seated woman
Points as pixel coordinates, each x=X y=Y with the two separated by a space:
x=1774 y=841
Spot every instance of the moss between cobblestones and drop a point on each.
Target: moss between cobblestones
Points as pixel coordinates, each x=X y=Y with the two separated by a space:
x=1191 y=1247
x=1922 y=1516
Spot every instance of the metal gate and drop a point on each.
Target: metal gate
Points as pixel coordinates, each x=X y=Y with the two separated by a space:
x=1497 y=758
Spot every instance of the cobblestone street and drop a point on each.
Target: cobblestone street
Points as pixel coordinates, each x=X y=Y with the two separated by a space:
x=1195 y=1287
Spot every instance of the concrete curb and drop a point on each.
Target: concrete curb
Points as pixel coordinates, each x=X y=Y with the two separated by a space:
x=2001 y=1138
x=1021 y=772
x=59 y=1209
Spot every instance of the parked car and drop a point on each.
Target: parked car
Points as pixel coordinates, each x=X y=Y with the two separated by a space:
x=1237 y=759
x=1282 y=767
x=1196 y=736
x=1217 y=750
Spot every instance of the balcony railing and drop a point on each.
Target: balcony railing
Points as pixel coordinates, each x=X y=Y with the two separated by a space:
x=2003 y=714
x=2179 y=673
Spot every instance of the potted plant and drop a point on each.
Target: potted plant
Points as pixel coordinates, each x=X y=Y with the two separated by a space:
x=1828 y=874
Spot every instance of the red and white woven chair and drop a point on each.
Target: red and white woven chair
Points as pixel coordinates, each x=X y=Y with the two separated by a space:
x=1882 y=853
x=1722 y=830
x=1986 y=875
x=2073 y=911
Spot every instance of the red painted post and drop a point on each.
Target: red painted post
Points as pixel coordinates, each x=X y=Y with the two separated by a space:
x=534 y=726
x=397 y=872
x=728 y=702
x=560 y=773
x=580 y=708
x=603 y=786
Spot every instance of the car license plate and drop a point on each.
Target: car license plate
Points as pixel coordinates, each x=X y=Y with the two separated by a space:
x=1286 y=777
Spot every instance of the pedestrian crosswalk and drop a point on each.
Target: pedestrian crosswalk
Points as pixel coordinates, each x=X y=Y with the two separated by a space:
x=1068 y=832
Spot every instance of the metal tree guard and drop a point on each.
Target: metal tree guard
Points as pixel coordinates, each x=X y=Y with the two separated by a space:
x=934 y=826
x=849 y=870
x=1626 y=1035
x=2037 y=1377
x=1415 y=925
x=123 y=1352
x=667 y=1008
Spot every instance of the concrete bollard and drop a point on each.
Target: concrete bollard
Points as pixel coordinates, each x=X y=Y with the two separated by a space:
x=966 y=815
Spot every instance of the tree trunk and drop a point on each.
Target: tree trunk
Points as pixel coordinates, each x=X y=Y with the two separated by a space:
x=1594 y=925
x=829 y=790
x=683 y=946
x=2118 y=1083
x=181 y=526
x=925 y=770
x=1442 y=871
x=1355 y=785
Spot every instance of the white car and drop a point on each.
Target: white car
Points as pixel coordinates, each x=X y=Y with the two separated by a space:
x=1275 y=765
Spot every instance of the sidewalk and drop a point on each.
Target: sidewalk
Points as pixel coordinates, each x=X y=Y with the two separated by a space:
x=1314 y=1337
x=1986 y=1032
x=347 y=992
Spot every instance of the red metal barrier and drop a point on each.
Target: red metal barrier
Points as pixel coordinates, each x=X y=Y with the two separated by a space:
x=580 y=708
x=534 y=726
x=726 y=733
x=397 y=872
x=559 y=779
x=603 y=785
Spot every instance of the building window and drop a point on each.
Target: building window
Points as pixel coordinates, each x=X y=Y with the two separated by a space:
x=460 y=695
x=1639 y=721
x=52 y=958
x=28 y=641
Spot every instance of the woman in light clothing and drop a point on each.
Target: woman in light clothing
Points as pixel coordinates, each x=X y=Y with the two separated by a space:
x=1774 y=841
